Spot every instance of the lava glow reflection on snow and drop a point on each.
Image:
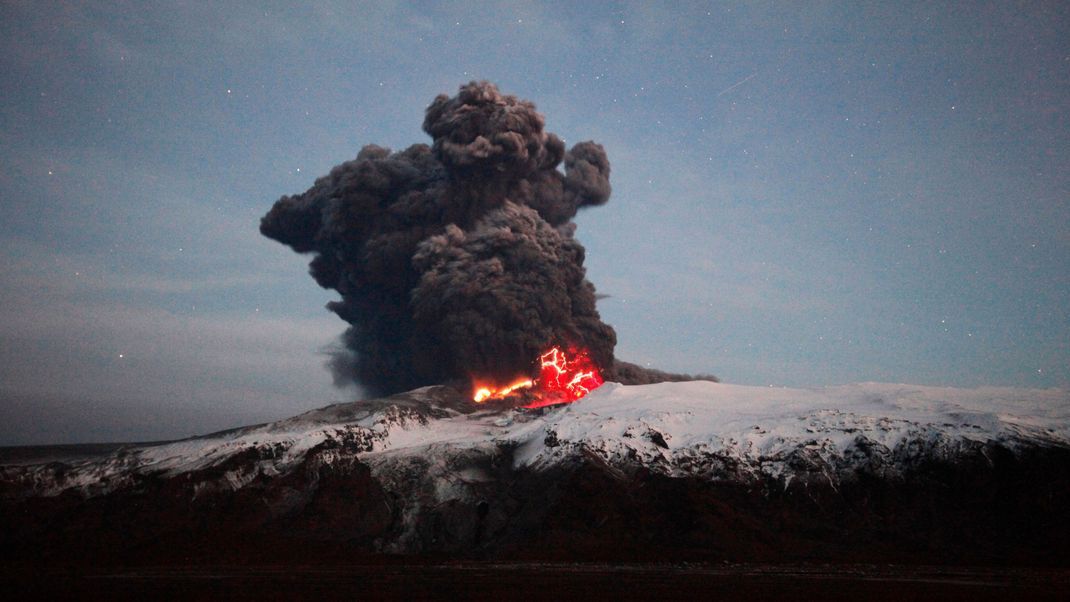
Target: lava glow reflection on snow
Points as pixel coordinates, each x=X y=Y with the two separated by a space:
x=563 y=378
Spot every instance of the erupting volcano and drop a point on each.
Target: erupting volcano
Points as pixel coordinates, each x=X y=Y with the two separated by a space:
x=459 y=258
x=563 y=378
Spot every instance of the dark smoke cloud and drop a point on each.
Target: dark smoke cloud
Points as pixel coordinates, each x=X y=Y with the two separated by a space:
x=456 y=260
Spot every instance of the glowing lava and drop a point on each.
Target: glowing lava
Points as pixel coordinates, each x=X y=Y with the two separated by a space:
x=563 y=378
x=484 y=393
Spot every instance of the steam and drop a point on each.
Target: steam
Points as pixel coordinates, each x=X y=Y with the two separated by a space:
x=457 y=259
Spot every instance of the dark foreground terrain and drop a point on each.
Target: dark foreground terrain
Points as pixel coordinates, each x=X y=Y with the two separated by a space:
x=991 y=530
x=991 y=507
x=492 y=581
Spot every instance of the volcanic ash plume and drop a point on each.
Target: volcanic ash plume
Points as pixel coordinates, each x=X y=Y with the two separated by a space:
x=455 y=261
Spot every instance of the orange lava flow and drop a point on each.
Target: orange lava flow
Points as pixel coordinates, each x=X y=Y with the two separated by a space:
x=483 y=393
x=563 y=378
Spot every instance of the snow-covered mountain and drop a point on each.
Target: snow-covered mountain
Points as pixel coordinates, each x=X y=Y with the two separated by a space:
x=712 y=463
x=677 y=429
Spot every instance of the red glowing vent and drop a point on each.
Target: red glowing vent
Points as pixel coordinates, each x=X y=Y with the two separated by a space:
x=563 y=378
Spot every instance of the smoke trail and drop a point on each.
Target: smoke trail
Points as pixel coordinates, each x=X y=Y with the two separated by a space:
x=458 y=259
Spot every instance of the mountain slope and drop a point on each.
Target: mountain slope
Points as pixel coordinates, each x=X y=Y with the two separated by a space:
x=682 y=470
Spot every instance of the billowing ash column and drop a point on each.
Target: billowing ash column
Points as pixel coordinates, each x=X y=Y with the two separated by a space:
x=456 y=260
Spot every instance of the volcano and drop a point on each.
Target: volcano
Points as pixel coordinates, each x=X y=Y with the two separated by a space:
x=695 y=471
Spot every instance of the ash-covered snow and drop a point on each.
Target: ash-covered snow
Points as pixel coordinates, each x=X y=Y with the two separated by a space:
x=697 y=429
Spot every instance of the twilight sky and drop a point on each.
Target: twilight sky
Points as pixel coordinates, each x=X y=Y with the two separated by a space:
x=803 y=195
